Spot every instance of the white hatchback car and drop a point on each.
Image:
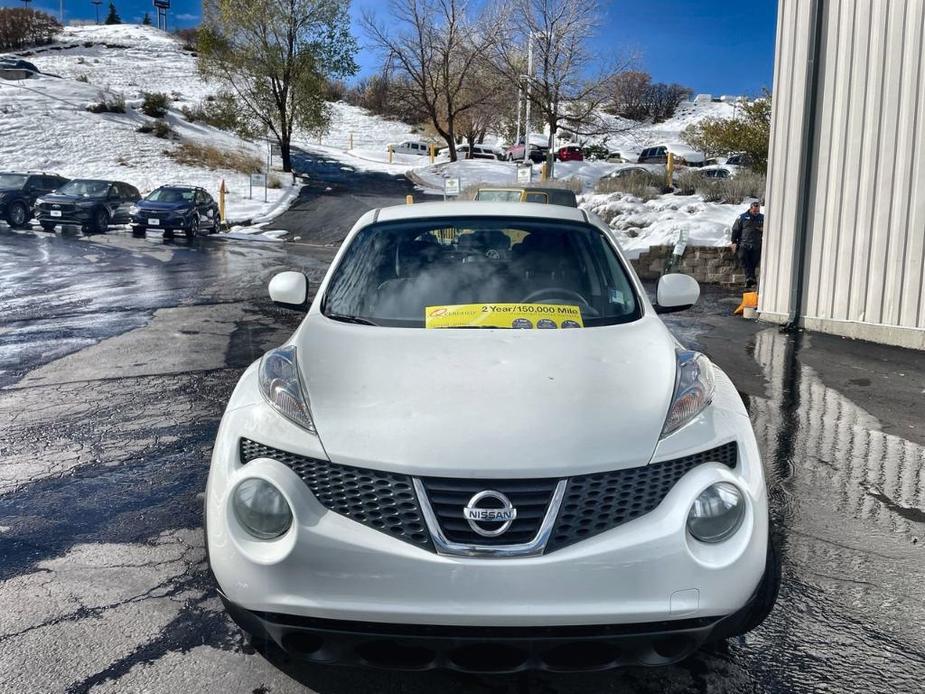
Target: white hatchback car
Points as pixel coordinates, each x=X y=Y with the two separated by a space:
x=483 y=450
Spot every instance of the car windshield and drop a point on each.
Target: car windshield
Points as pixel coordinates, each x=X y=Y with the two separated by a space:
x=12 y=180
x=481 y=272
x=171 y=195
x=499 y=195
x=86 y=189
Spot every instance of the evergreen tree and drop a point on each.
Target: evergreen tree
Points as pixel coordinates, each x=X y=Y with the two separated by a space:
x=146 y=20
x=113 y=16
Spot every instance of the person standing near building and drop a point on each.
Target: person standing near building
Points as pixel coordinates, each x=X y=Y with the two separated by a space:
x=746 y=241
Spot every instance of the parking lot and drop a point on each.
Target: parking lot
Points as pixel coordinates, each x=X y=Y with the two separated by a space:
x=118 y=354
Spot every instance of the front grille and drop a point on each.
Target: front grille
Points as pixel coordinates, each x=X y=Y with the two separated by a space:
x=64 y=208
x=387 y=502
x=448 y=497
x=381 y=500
x=596 y=503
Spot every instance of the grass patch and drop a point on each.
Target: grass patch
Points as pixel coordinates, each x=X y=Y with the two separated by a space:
x=108 y=103
x=211 y=157
x=644 y=186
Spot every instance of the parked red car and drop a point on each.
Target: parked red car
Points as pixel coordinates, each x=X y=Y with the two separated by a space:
x=570 y=153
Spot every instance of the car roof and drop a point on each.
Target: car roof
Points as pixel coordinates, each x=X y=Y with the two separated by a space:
x=471 y=208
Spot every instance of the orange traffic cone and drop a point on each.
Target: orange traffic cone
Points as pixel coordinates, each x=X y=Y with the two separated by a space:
x=749 y=300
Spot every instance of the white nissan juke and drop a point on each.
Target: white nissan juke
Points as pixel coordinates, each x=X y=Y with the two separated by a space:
x=483 y=450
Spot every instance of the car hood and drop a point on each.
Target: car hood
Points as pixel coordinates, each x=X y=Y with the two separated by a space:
x=59 y=198
x=164 y=206
x=488 y=403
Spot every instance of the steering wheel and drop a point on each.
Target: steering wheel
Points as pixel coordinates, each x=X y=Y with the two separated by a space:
x=561 y=292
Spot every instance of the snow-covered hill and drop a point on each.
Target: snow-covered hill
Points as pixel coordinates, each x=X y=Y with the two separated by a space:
x=45 y=125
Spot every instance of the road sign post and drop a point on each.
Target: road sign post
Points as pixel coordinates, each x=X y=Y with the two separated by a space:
x=162 y=6
x=450 y=187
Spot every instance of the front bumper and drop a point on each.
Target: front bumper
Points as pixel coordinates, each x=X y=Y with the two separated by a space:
x=486 y=649
x=164 y=220
x=78 y=216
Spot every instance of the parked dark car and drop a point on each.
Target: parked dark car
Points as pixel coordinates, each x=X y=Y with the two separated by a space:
x=516 y=152
x=739 y=159
x=19 y=191
x=172 y=208
x=570 y=153
x=90 y=204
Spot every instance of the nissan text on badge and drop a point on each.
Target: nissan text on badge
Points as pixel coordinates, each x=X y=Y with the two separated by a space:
x=482 y=450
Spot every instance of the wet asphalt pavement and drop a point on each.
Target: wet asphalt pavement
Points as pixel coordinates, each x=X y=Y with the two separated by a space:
x=117 y=355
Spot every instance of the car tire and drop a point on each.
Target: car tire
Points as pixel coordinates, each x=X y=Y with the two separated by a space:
x=139 y=230
x=17 y=216
x=48 y=226
x=100 y=220
x=192 y=231
x=168 y=233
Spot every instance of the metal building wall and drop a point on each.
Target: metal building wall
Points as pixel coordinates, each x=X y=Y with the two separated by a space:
x=865 y=246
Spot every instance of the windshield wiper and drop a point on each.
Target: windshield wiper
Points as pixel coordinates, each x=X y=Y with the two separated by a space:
x=344 y=318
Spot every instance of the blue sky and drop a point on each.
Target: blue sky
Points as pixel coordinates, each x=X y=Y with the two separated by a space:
x=714 y=46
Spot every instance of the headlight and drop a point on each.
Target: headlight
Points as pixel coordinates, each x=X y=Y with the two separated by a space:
x=280 y=384
x=693 y=389
x=133 y=210
x=4 y=196
x=261 y=509
x=717 y=513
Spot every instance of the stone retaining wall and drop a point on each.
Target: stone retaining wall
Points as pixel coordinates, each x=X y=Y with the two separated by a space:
x=712 y=265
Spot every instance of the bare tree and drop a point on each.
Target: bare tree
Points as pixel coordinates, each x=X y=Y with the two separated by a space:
x=569 y=81
x=276 y=57
x=436 y=47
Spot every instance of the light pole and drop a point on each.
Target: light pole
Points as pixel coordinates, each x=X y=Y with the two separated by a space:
x=529 y=78
x=97 y=4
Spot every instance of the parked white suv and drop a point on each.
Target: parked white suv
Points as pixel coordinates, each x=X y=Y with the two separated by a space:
x=411 y=147
x=483 y=450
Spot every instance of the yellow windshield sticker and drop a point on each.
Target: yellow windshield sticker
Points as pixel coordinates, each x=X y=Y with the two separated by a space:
x=526 y=316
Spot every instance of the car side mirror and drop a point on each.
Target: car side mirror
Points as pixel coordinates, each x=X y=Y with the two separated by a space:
x=676 y=292
x=290 y=290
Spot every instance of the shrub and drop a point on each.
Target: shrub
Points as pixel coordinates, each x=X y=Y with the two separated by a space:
x=274 y=182
x=644 y=186
x=83 y=78
x=155 y=104
x=688 y=182
x=732 y=191
x=162 y=129
x=21 y=27
x=108 y=103
x=593 y=152
x=221 y=111
x=211 y=157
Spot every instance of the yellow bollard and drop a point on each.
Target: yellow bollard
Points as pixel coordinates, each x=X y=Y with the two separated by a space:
x=433 y=148
x=221 y=201
x=390 y=154
x=409 y=199
x=669 y=169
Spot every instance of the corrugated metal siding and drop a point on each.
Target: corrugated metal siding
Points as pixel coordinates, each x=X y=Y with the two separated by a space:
x=865 y=268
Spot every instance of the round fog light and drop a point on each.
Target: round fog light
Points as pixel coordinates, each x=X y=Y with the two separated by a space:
x=717 y=513
x=261 y=509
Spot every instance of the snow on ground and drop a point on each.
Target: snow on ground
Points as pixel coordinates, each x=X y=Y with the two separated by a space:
x=45 y=125
x=662 y=220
